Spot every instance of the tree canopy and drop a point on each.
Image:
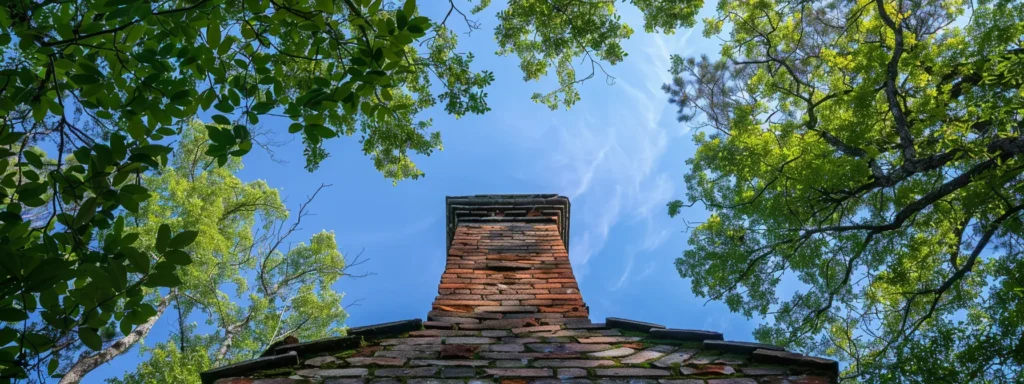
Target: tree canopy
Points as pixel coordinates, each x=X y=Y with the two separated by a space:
x=107 y=88
x=250 y=282
x=869 y=154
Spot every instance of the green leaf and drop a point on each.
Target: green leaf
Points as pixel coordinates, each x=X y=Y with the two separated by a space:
x=162 y=279
x=213 y=33
x=85 y=212
x=220 y=119
x=325 y=6
x=163 y=238
x=183 y=239
x=33 y=159
x=83 y=79
x=90 y=338
x=138 y=260
x=178 y=257
x=11 y=137
x=12 y=314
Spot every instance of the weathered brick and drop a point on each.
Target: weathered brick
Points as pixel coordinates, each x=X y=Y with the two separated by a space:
x=437 y=325
x=367 y=351
x=558 y=296
x=407 y=354
x=385 y=361
x=735 y=380
x=518 y=372
x=497 y=308
x=494 y=333
x=500 y=324
x=448 y=372
x=764 y=371
x=569 y=373
x=435 y=314
x=469 y=340
x=443 y=332
x=674 y=358
x=458 y=351
x=632 y=372
x=349 y=380
x=731 y=360
x=455 y=363
x=571 y=348
x=412 y=341
x=456 y=320
x=572 y=332
x=542 y=328
x=321 y=361
x=708 y=370
x=680 y=381
x=406 y=372
x=509 y=297
x=510 y=363
x=466 y=302
x=641 y=357
x=607 y=339
x=417 y=347
x=519 y=340
x=434 y=381
x=573 y=363
x=506 y=348
x=341 y=372
x=617 y=352
x=796 y=380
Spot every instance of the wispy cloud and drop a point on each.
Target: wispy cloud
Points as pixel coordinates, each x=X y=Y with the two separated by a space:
x=609 y=159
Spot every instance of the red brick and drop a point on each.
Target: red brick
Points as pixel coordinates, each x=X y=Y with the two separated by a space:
x=563 y=296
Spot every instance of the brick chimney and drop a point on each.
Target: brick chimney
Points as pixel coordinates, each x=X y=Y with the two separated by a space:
x=508 y=259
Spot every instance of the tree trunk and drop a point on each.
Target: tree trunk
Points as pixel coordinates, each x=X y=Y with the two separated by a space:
x=229 y=338
x=87 y=363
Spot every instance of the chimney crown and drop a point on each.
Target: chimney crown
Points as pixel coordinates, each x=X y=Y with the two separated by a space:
x=524 y=208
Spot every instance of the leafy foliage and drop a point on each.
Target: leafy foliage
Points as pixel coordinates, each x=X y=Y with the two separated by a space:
x=551 y=34
x=110 y=84
x=869 y=151
x=241 y=274
x=251 y=287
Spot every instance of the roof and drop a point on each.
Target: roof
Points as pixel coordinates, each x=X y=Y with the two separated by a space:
x=527 y=351
x=509 y=310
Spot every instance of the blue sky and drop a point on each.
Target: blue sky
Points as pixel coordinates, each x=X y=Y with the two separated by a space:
x=618 y=155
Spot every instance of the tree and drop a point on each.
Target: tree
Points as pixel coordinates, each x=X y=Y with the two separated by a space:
x=108 y=85
x=244 y=277
x=870 y=153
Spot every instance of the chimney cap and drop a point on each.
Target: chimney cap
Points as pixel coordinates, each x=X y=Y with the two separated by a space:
x=508 y=208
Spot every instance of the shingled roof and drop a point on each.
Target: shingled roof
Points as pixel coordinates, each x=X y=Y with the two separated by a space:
x=509 y=310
